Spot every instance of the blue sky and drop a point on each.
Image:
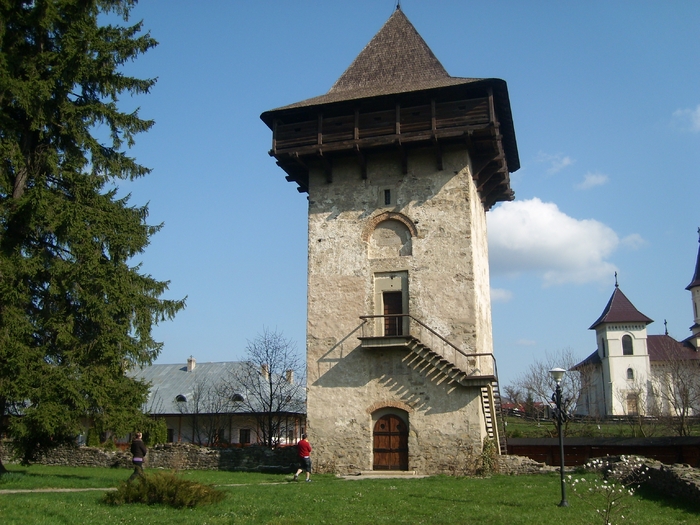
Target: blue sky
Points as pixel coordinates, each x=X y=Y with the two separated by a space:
x=606 y=104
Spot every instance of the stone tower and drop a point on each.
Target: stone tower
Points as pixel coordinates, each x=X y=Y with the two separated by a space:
x=400 y=161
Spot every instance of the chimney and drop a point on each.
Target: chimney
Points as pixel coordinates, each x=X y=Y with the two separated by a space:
x=265 y=370
x=290 y=376
x=191 y=363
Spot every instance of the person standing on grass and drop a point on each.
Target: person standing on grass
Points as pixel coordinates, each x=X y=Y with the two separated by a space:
x=138 y=451
x=304 y=452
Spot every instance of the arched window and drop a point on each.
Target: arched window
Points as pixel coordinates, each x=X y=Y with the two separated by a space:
x=390 y=238
x=627 y=345
x=180 y=398
x=630 y=373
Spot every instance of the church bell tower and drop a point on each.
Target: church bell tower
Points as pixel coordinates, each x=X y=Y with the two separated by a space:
x=401 y=162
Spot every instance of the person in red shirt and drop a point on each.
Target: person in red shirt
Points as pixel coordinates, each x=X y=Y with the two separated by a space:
x=304 y=452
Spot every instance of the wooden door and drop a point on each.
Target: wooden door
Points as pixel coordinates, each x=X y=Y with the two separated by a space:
x=393 y=304
x=390 y=444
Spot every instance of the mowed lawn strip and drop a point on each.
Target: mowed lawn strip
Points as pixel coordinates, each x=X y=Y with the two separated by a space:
x=267 y=498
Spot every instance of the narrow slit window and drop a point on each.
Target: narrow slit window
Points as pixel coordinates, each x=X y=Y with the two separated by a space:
x=387 y=197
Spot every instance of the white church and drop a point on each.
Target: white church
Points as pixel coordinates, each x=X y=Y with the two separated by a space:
x=632 y=373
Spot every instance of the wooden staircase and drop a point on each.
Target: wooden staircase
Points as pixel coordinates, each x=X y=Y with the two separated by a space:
x=493 y=415
x=440 y=369
x=434 y=363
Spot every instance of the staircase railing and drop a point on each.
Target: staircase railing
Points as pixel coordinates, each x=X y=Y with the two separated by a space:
x=391 y=326
x=499 y=416
x=405 y=326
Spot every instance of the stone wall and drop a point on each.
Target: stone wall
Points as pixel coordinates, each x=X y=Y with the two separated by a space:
x=521 y=465
x=428 y=243
x=676 y=481
x=177 y=456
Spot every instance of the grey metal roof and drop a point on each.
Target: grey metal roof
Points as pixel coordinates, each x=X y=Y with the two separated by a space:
x=169 y=381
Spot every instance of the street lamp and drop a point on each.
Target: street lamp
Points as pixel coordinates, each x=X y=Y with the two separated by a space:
x=558 y=374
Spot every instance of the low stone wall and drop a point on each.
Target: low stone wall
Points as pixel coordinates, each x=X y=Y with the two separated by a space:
x=520 y=465
x=676 y=481
x=178 y=457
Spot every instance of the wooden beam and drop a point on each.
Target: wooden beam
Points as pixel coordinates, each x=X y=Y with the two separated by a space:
x=397 y=128
x=356 y=133
x=404 y=157
x=438 y=153
x=274 y=137
x=298 y=160
x=327 y=166
x=362 y=160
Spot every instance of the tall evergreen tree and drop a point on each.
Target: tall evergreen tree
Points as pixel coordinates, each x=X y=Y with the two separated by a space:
x=75 y=310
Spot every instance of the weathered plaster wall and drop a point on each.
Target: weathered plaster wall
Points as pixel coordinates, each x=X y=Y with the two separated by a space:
x=447 y=289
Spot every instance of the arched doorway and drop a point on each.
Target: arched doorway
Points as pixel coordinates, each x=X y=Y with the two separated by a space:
x=390 y=443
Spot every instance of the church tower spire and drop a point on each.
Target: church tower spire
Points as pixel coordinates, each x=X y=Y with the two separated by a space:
x=694 y=288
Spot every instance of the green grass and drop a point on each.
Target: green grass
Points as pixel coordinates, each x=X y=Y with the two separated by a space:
x=268 y=498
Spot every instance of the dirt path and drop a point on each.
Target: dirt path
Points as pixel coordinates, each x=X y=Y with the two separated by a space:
x=22 y=491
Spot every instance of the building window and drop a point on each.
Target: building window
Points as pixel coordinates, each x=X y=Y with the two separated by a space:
x=632 y=404
x=387 y=197
x=244 y=436
x=627 y=345
x=180 y=398
x=602 y=346
x=171 y=435
x=630 y=373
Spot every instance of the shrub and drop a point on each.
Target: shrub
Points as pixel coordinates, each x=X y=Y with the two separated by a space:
x=155 y=432
x=620 y=478
x=489 y=457
x=93 y=438
x=164 y=488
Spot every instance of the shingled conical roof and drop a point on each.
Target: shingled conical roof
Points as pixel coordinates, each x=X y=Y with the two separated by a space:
x=620 y=310
x=397 y=55
x=396 y=60
x=380 y=102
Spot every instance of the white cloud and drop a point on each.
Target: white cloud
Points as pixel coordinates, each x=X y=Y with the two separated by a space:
x=591 y=180
x=535 y=236
x=525 y=342
x=688 y=119
x=556 y=162
x=633 y=241
x=500 y=295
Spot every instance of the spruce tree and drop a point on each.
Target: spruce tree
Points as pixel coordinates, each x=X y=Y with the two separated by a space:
x=75 y=308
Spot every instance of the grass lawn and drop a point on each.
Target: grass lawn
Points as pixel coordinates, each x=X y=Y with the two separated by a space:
x=269 y=498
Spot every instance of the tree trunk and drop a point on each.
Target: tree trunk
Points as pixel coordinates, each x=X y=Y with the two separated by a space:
x=3 y=407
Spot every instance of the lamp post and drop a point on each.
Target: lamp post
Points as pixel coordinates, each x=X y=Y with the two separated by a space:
x=558 y=374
